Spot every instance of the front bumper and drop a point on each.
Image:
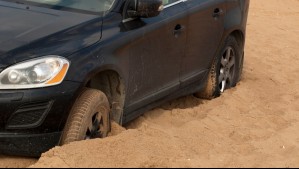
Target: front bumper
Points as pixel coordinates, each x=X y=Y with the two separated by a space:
x=28 y=145
x=31 y=121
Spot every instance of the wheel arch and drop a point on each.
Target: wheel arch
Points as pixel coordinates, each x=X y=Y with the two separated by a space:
x=240 y=37
x=236 y=32
x=113 y=85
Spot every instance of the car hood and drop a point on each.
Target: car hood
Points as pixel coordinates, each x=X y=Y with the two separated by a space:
x=29 y=31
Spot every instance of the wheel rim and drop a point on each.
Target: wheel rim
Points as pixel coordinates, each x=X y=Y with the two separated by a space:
x=96 y=127
x=227 y=69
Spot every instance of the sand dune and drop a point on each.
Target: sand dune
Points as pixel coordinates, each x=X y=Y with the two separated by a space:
x=253 y=125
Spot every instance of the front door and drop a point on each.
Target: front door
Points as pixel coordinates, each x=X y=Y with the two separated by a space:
x=155 y=57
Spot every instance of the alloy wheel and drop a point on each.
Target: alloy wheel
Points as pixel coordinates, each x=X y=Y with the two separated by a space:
x=227 y=69
x=96 y=127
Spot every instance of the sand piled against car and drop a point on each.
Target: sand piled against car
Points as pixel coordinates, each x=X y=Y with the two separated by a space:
x=254 y=125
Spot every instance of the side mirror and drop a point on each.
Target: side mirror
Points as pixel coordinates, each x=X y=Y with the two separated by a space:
x=144 y=8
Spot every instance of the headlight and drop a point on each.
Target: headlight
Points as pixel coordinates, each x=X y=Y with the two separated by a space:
x=42 y=72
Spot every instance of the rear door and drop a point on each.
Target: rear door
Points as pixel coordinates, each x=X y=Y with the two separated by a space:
x=156 y=56
x=205 y=29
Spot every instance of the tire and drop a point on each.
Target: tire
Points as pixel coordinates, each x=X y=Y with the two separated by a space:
x=227 y=66
x=89 y=118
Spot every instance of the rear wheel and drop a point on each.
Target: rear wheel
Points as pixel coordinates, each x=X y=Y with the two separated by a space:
x=89 y=118
x=225 y=71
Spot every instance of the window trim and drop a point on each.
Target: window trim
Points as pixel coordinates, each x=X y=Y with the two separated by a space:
x=165 y=7
x=175 y=3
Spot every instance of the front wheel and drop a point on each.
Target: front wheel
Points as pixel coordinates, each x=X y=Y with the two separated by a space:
x=89 y=118
x=225 y=71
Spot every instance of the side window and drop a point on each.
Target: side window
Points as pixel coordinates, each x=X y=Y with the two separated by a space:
x=167 y=2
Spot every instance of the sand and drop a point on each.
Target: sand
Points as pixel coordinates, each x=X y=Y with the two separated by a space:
x=253 y=125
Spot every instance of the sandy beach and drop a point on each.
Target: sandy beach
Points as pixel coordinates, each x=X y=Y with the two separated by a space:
x=253 y=125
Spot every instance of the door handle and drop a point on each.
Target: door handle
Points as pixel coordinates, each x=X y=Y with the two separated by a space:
x=217 y=13
x=178 y=30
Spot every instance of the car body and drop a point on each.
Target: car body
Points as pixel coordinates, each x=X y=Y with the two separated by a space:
x=138 y=63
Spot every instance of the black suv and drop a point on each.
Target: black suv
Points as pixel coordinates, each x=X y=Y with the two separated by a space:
x=70 y=67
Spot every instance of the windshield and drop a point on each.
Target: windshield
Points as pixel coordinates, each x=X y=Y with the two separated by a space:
x=84 y=5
